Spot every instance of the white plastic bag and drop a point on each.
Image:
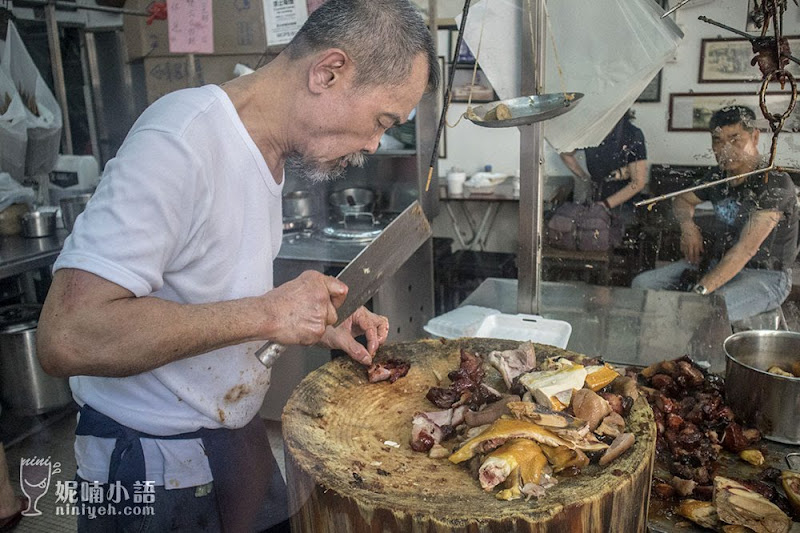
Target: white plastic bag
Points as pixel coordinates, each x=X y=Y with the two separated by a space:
x=12 y=192
x=13 y=130
x=44 y=130
x=610 y=77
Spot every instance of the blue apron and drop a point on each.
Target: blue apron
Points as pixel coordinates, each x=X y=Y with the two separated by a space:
x=247 y=481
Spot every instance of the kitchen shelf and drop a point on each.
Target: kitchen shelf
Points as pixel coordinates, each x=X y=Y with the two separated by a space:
x=394 y=153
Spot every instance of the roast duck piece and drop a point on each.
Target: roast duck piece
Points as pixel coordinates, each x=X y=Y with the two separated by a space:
x=694 y=426
x=550 y=422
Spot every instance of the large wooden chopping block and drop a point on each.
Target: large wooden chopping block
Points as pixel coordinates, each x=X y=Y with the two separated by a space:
x=344 y=474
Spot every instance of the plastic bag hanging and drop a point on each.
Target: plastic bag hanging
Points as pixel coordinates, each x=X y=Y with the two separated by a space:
x=43 y=114
x=610 y=78
x=13 y=129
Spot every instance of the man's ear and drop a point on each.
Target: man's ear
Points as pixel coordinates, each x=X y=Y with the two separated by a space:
x=327 y=70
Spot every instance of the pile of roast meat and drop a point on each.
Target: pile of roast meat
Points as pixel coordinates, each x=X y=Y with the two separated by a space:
x=550 y=420
x=695 y=427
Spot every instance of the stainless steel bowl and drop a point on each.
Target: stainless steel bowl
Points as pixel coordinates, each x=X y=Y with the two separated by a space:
x=38 y=223
x=767 y=401
x=352 y=200
x=71 y=207
x=297 y=204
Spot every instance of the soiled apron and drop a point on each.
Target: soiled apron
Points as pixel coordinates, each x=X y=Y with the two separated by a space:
x=247 y=481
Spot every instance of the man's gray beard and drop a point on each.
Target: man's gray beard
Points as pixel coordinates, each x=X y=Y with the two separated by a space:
x=315 y=173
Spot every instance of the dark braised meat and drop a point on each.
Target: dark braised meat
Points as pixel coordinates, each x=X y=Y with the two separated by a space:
x=693 y=422
x=391 y=370
x=466 y=387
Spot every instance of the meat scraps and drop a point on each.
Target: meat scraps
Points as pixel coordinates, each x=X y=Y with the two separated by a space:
x=466 y=387
x=693 y=422
x=391 y=370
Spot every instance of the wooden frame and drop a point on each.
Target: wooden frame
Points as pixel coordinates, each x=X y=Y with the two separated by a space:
x=651 y=93
x=728 y=61
x=482 y=91
x=465 y=56
x=692 y=111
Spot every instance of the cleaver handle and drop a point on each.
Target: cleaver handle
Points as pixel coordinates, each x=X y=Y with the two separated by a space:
x=269 y=353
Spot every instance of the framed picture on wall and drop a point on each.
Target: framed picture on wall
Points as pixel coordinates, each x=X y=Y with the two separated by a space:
x=465 y=56
x=652 y=93
x=692 y=111
x=481 y=91
x=728 y=61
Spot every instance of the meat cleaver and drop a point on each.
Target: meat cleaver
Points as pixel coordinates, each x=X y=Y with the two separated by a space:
x=378 y=261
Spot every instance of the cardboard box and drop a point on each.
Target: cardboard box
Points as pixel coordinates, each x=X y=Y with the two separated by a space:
x=163 y=75
x=239 y=28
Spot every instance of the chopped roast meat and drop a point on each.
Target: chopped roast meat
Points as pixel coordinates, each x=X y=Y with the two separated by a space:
x=512 y=363
x=434 y=427
x=612 y=425
x=614 y=401
x=693 y=421
x=683 y=487
x=620 y=445
x=588 y=405
x=490 y=413
x=391 y=370
x=737 y=505
x=465 y=387
x=626 y=387
x=701 y=513
x=441 y=397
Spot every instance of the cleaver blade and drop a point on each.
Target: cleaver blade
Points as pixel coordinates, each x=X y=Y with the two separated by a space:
x=377 y=262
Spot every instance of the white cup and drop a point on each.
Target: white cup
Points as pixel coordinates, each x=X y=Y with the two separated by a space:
x=455 y=183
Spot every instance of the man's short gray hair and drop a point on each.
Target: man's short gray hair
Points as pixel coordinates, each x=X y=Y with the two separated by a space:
x=382 y=37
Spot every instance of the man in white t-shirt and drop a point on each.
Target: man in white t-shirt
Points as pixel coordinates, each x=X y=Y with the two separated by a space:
x=164 y=289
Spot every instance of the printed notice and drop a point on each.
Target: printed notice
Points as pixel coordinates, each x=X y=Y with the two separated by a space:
x=191 y=27
x=284 y=18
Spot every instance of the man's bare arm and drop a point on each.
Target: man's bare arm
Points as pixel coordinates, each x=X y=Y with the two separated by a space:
x=638 y=173
x=572 y=164
x=91 y=326
x=757 y=229
x=691 y=238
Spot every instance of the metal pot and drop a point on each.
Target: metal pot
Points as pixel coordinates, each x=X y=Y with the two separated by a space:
x=352 y=200
x=39 y=224
x=766 y=401
x=24 y=387
x=297 y=205
x=71 y=207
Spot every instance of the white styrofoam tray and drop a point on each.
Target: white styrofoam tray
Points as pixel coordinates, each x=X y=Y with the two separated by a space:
x=524 y=327
x=460 y=322
x=475 y=321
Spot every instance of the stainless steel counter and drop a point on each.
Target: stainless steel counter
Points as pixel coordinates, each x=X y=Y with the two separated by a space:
x=19 y=254
x=312 y=249
x=628 y=326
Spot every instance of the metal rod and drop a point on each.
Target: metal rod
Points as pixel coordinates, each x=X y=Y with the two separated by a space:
x=57 y=65
x=703 y=186
x=743 y=34
x=88 y=97
x=529 y=258
x=674 y=9
x=450 y=77
x=724 y=27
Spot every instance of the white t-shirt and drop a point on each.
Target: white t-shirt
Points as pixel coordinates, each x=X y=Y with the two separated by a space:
x=188 y=212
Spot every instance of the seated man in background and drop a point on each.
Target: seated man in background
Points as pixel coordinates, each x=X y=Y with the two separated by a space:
x=750 y=259
x=617 y=168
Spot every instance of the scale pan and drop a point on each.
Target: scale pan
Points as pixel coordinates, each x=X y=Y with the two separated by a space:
x=524 y=110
